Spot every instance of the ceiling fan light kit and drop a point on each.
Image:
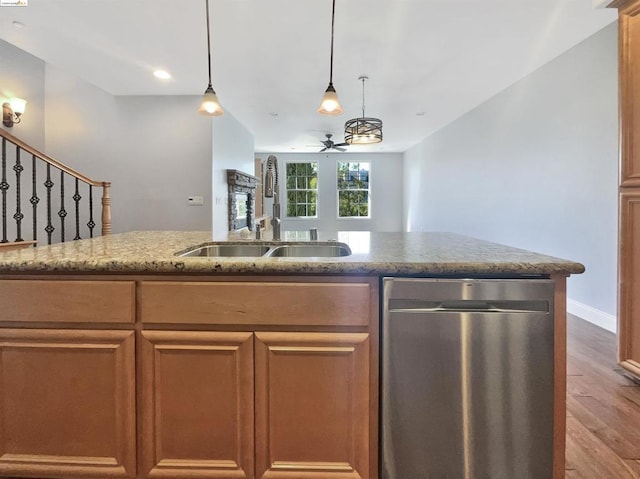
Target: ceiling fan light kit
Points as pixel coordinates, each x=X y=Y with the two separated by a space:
x=329 y=104
x=363 y=130
x=210 y=105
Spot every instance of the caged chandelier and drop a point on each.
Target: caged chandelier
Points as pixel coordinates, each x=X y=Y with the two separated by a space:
x=363 y=130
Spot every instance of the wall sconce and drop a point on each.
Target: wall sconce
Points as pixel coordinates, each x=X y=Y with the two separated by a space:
x=12 y=111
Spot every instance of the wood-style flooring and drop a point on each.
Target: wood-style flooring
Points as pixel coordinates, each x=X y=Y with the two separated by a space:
x=603 y=408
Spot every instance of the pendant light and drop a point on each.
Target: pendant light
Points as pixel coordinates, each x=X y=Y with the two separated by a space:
x=330 y=104
x=363 y=130
x=210 y=105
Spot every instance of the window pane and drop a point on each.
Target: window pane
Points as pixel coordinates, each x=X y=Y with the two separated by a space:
x=353 y=189
x=302 y=187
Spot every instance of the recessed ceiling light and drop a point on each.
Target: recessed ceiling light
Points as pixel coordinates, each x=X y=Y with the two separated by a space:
x=162 y=74
x=273 y=113
x=420 y=113
x=17 y=24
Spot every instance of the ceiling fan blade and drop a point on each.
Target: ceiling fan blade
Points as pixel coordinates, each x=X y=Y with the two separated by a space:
x=324 y=149
x=342 y=144
x=339 y=149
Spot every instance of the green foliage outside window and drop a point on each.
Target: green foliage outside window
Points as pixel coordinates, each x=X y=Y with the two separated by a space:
x=302 y=189
x=353 y=189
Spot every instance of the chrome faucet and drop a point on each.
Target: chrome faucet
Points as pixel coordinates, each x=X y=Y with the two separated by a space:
x=271 y=191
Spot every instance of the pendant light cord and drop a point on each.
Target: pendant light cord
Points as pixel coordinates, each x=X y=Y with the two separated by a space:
x=209 y=45
x=333 y=19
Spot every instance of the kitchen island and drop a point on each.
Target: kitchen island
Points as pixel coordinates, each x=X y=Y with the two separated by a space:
x=121 y=359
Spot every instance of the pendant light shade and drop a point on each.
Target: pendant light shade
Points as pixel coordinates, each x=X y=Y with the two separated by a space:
x=363 y=130
x=330 y=104
x=210 y=105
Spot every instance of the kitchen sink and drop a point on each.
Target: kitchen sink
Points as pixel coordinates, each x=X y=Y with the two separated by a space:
x=229 y=250
x=270 y=250
x=310 y=251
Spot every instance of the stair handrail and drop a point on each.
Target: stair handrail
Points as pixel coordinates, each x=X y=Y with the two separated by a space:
x=105 y=185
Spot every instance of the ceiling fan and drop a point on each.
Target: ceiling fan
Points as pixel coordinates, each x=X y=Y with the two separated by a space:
x=330 y=145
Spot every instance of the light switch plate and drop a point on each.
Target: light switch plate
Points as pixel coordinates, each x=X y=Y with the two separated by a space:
x=196 y=201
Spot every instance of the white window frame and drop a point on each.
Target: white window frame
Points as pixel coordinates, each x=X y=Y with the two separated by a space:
x=287 y=190
x=338 y=190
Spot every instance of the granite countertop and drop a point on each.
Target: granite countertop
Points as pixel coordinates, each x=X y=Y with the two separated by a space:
x=373 y=253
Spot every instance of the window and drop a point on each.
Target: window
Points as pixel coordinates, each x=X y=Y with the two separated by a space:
x=302 y=190
x=353 y=190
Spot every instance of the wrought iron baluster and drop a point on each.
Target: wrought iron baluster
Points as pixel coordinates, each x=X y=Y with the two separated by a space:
x=18 y=216
x=62 y=213
x=34 y=200
x=4 y=186
x=49 y=184
x=91 y=224
x=76 y=199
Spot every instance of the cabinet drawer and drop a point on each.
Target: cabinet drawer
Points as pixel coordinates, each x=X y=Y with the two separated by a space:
x=256 y=303
x=67 y=301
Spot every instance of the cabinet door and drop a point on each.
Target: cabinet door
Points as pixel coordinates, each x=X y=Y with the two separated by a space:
x=312 y=405
x=67 y=403
x=629 y=290
x=196 y=404
x=629 y=25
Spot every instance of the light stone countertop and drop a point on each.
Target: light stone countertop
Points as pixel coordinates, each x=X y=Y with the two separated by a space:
x=373 y=253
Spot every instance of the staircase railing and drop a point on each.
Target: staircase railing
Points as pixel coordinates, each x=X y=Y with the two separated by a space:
x=20 y=160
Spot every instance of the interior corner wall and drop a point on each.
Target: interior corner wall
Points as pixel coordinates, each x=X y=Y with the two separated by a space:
x=161 y=156
x=80 y=124
x=233 y=149
x=155 y=151
x=534 y=167
x=385 y=192
x=22 y=75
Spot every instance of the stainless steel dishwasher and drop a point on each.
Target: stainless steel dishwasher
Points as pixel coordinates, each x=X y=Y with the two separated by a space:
x=467 y=379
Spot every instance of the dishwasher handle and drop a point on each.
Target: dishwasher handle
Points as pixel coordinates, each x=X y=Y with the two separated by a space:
x=462 y=305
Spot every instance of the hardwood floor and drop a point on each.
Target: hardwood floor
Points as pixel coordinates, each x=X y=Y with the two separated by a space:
x=603 y=408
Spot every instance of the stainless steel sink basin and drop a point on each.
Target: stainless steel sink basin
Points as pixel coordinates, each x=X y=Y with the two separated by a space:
x=310 y=251
x=270 y=250
x=229 y=250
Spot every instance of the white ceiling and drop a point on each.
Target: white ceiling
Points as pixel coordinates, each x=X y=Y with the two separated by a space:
x=437 y=58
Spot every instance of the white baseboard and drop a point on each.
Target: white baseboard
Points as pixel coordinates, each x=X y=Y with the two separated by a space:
x=593 y=315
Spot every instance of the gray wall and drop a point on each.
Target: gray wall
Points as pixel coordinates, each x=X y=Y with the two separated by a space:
x=156 y=151
x=534 y=167
x=22 y=76
x=385 y=192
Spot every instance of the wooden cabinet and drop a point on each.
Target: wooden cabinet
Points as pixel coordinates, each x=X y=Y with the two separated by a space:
x=67 y=403
x=629 y=33
x=312 y=405
x=629 y=284
x=60 y=301
x=315 y=386
x=242 y=377
x=629 y=237
x=196 y=404
x=294 y=304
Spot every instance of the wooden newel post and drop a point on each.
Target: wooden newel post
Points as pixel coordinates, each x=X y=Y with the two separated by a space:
x=106 y=209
